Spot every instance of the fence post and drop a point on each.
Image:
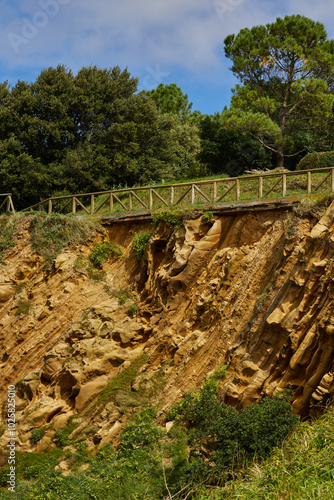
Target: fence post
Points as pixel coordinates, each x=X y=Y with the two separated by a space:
x=237 y=184
x=284 y=185
x=111 y=203
x=309 y=183
x=214 y=191
x=171 y=195
x=260 y=187
x=74 y=206
x=92 y=204
x=130 y=201
x=150 y=203
x=49 y=206
x=193 y=194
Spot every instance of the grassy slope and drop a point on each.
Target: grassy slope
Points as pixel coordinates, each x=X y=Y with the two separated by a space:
x=302 y=469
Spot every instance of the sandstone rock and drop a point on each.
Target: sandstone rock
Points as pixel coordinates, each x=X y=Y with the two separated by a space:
x=40 y=416
x=111 y=434
x=44 y=444
x=6 y=292
x=89 y=391
x=106 y=309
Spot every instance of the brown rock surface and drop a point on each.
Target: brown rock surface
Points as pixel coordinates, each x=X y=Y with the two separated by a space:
x=249 y=290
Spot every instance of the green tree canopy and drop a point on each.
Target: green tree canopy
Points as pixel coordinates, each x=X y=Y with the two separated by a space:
x=171 y=100
x=68 y=133
x=287 y=72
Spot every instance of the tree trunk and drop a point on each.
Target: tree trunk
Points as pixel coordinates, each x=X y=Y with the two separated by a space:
x=280 y=157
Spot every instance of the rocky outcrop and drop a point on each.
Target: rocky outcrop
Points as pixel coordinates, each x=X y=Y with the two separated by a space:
x=253 y=291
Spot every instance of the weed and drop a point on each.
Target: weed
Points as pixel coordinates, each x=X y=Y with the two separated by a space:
x=139 y=243
x=61 y=436
x=132 y=310
x=220 y=372
x=96 y=274
x=37 y=434
x=122 y=382
x=313 y=207
x=81 y=263
x=2 y=261
x=122 y=294
x=172 y=216
x=102 y=251
x=23 y=308
x=207 y=216
x=20 y=286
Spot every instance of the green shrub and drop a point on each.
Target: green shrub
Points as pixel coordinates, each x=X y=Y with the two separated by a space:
x=139 y=243
x=316 y=160
x=221 y=439
x=207 y=216
x=61 y=436
x=132 y=309
x=102 y=251
x=140 y=432
x=37 y=434
x=172 y=216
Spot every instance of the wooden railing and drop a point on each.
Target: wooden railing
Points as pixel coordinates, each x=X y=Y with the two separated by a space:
x=196 y=193
x=6 y=203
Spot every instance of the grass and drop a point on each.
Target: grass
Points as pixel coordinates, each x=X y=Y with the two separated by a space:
x=121 y=384
x=8 y=224
x=102 y=251
x=23 y=308
x=51 y=233
x=302 y=468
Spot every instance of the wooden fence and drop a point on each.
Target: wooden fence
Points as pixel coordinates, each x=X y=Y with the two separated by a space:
x=194 y=194
x=6 y=203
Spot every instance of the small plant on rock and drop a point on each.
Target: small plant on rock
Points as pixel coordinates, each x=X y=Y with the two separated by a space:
x=37 y=434
x=172 y=216
x=132 y=310
x=139 y=243
x=23 y=308
x=102 y=251
x=207 y=216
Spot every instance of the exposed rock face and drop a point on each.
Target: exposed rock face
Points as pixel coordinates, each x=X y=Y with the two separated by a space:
x=254 y=291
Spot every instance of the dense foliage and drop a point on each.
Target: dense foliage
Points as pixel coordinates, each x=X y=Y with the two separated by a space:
x=209 y=443
x=317 y=160
x=88 y=132
x=286 y=97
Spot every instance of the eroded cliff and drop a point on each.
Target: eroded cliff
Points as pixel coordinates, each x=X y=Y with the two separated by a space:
x=253 y=291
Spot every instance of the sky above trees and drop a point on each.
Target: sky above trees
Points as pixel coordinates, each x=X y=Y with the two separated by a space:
x=165 y=41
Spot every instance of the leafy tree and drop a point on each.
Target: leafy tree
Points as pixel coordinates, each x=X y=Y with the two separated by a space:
x=171 y=100
x=224 y=150
x=286 y=69
x=64 y=133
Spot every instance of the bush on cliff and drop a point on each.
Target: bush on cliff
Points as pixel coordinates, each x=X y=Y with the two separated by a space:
x=316 y=160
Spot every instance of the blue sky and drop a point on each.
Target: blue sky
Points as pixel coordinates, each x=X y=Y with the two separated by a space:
x=159 y=41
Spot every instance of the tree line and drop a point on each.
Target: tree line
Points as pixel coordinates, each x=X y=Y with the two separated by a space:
x=66 y=133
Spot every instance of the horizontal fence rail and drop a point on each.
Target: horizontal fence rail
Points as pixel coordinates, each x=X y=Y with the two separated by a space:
x=6 y=203
x=194 y=194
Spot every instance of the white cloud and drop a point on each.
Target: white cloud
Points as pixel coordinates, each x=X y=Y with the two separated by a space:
x=148 y=36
